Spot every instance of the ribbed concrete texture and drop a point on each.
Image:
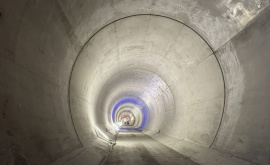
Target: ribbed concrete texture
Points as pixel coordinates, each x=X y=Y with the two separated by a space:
x=134 y=82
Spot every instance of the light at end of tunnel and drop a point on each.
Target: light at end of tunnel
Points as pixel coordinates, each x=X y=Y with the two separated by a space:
x=135 y=101
x=103 y=134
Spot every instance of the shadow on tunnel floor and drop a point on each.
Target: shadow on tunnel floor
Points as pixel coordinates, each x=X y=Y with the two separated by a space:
x=133 y=148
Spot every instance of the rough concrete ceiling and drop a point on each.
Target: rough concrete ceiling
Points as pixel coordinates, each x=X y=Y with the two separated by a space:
x=64 y=63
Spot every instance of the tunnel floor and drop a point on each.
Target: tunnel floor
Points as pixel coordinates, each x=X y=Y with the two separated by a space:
x=138 y=148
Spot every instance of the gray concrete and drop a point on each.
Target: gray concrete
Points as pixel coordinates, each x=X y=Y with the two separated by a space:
x=137 y=148
x=197 y=153
x=91 y=153
x=200 y=66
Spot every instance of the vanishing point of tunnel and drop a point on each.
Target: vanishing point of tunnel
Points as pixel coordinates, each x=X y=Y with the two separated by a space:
x=134 y=82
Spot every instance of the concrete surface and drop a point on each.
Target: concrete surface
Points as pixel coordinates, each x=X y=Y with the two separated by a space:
x=201 y=67
x=91 y=153
x=197 y=153
x=138 y=148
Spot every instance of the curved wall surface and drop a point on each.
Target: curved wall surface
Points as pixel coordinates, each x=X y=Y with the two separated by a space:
x=189 y=81
x=200 y=67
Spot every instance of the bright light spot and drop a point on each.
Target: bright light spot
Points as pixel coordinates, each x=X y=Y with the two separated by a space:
x=120 y=124
x=116 y=127
x=103 y=134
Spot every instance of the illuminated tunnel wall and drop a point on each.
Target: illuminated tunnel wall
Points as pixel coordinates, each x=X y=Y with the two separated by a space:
x=136 y=102
x=157 y=60
x=200 y=68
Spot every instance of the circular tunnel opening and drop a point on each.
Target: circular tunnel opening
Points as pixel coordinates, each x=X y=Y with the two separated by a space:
x=132 y=118
x=66 y=64
x=159 y=65
x=135 y=92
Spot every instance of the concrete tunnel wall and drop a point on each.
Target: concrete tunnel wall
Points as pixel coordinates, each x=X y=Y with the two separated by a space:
x=158 y=45
x=50 y=102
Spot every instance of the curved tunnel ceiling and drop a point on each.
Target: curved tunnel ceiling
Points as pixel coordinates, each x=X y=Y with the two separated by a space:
x=160 y=61
x=65 y=64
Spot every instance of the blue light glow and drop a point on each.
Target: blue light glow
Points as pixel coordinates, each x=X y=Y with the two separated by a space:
x=137 y=102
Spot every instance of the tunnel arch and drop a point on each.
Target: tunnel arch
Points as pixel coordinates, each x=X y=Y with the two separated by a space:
x=135 y=103
x=181 y=26
x=40 y=41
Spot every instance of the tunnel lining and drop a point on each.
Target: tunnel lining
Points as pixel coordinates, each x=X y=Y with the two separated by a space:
x=213 y=53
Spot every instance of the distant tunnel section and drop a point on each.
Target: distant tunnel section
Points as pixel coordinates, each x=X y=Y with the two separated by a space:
x=155 y=70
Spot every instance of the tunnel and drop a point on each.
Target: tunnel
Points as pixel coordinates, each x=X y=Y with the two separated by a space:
x=134 y=82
